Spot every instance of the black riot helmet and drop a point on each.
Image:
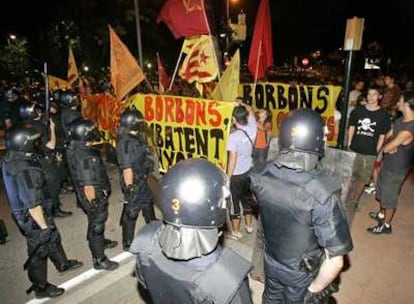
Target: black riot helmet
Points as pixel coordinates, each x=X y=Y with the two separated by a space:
x=303 y=130
x=27 y=111
x=193 y=193
x=68 y=98
x=83 y=130
x=56 y=95
x=131 y=119
x=23 y=139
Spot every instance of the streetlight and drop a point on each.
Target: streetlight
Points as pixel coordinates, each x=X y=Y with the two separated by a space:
x=12 y=37
x=228 y=7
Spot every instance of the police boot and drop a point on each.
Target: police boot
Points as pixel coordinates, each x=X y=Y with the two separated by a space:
x=110 y=244
x=128 y=229
x=3 y=232
x=148 y=213
x=62 y=213
x=48 y=291
x=104 y=263
x=70 y=265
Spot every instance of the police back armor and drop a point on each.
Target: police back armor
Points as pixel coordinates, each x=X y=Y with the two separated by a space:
x=86 y=166
x=172 y=281
x=286 y=208
x=16 y=163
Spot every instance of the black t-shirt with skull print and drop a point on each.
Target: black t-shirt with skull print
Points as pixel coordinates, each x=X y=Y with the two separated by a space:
x=369 y=125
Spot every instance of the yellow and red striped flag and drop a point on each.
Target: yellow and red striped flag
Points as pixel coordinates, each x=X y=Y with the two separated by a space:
x=200 y=64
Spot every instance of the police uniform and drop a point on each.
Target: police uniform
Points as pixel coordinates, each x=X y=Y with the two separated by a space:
x=53 y=175
x=131 y=153
x=301 y=212
x=25 y=186
x=47 y=156
x=180 y=260
x=67 y=116
x=219 y=277
x=87 y=168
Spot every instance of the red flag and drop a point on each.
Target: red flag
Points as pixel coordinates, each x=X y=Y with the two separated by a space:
x=184 y=18
x=163 y=79
x=261 y=50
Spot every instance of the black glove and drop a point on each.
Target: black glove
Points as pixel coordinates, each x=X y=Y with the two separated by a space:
x=45 y=235
x=129 y=192
x=322 y=296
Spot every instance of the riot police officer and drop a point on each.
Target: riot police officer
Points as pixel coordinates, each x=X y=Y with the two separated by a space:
x=70 y=103
x=306 y=233
x=135 y=165
x=25 y=186
x=92 y=187
x=32 y=114
x=180 y=260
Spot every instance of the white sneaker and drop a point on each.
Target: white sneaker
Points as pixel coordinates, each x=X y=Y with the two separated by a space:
x=370 y=190
x=235 y=235
x=249 y=229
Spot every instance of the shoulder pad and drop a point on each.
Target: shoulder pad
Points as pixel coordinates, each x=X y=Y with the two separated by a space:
x=145 y=237
x=323 y=185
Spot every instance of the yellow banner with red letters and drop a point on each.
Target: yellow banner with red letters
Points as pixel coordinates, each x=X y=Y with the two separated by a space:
x=183 y=127
x=178 y=127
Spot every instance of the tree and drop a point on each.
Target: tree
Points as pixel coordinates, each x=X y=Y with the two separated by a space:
x=14 y=59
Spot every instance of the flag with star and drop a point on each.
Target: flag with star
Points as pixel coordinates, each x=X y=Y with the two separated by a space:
x=200 y=64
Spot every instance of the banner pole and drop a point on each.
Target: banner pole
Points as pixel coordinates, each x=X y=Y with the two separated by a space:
x=257 y=68
x=176 y=68
x=46 y=91
x=211 y=39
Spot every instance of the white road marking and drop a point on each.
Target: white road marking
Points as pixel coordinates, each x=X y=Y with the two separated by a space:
x=83 y=277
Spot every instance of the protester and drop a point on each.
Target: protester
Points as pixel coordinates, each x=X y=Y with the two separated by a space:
x=397 y=162
x=367 y=128
x=261 y=144
x=240 y=162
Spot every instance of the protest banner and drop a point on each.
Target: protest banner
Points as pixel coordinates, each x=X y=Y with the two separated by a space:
x=181 y=127
x=280 y=98
x=105 y=110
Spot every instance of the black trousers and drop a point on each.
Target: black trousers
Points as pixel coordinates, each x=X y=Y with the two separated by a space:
x=39 y=252
x=54 y=178
x=140 y=201
x=97 y=216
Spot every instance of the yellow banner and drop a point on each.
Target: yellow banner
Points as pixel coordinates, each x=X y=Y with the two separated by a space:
x=183 y=127
x=280 y=98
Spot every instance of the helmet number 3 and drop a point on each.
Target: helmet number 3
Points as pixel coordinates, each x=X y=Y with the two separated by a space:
x=175 y=205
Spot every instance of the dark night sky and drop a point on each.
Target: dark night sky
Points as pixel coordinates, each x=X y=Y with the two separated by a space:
x=299 y=26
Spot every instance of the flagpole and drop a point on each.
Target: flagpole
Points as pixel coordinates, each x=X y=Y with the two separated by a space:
x=176 y=68
x=46 y=92
x=211 y=39
x=257 y=67
x=138 y=26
